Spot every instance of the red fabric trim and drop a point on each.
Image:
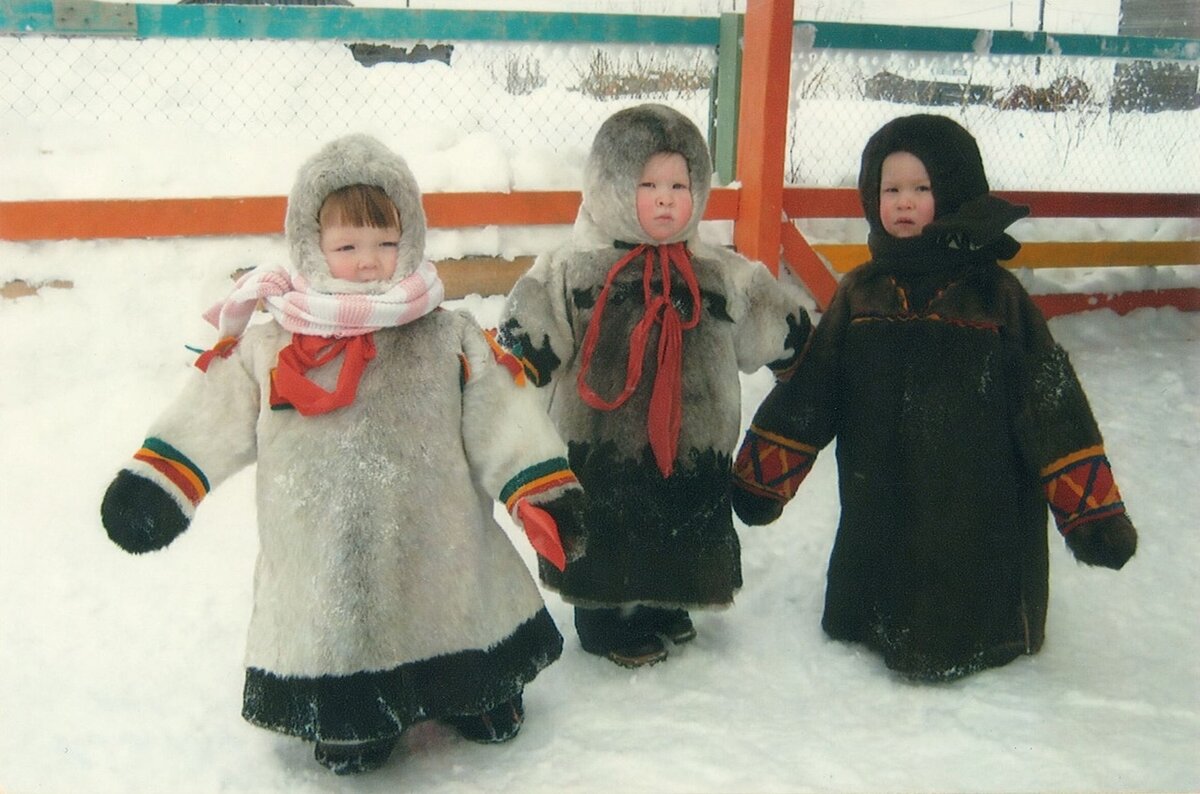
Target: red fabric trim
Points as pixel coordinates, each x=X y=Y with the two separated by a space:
x=664 y=416
x=223 y=349
x=308 y=352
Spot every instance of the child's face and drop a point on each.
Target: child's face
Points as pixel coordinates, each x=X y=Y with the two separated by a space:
x=360 y=253
x=664 y=196
x=905 y=195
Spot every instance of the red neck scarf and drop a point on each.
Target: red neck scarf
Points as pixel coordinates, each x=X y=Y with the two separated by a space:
x=306 y=352
x=665 y=412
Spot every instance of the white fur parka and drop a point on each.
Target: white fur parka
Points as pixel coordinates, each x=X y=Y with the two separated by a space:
x=384 y=592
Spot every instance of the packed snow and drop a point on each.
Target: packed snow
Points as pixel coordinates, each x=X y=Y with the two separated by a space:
x=123 y=674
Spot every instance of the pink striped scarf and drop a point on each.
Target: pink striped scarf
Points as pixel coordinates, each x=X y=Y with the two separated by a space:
x=302 y=310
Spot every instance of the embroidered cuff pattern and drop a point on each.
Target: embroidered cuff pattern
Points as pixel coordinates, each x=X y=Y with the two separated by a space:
x=1080 y=488
x=771 y=465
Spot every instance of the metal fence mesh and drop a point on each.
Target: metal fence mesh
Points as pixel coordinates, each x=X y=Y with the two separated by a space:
x=1043 y=123
x=1040 y=120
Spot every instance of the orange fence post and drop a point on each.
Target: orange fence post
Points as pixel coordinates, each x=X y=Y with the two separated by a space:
x=762 y=129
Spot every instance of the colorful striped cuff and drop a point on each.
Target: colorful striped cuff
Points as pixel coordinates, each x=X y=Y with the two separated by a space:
x=539 y=479
x=771 y=465
x=176 y=467
x=1080 y=488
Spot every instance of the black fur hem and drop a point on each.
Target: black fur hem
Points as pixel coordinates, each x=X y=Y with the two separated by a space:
x=652 y=539
x=375 y=705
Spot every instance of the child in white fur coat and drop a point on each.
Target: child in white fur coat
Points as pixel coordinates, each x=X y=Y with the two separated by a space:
x=383 y=428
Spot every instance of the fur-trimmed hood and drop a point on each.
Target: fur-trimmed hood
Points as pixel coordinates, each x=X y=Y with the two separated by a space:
x=619 y=152
x=352 y=160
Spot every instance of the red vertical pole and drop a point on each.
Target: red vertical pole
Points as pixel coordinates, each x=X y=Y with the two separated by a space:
x=762 y=128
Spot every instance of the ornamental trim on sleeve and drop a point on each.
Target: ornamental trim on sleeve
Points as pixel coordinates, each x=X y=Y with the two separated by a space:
x=521 y=370
x=541 y=482
x=222 y=349
x=175 y=467
x=772 y=465
x=1080 y=488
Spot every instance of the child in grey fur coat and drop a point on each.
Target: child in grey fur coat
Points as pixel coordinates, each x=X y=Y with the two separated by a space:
x=383 y=428
x=636 y=331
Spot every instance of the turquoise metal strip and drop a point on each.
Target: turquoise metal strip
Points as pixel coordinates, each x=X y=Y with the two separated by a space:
x=848 y=36
x=83 y=17
x=87 y=17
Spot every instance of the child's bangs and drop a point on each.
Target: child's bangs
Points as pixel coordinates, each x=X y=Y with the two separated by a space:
x=359 y=205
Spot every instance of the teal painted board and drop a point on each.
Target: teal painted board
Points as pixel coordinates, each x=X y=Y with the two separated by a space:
x=341 y=22
x=728 y=97
x=850 y=36
x=26 y=16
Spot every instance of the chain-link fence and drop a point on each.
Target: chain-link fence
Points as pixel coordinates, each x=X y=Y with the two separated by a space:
x=528 y=95
x=1043 y=122
x=1040 y=120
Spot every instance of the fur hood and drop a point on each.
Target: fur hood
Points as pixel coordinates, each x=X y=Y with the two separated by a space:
x=625 y=141
x=352 y=160
x=949 y=153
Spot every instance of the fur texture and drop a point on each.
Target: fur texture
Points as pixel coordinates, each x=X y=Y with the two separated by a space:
x=352 y=160
x=651 y=539
x=621 y=147
x=385 y=592
x=949 y=400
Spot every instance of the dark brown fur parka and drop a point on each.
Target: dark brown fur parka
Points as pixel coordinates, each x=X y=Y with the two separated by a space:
x=958 y=420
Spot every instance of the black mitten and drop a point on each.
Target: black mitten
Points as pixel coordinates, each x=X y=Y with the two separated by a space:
x=753 y=509
x=567 y=511
x=1108 y=541
x=139 y=515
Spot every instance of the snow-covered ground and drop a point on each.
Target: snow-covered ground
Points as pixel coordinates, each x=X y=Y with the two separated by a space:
x=122 y=674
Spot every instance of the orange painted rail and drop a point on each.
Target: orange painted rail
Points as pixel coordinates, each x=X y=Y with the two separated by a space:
x=845 y=257
x=263 y=215
x=101 y=219
x=842 y=202
x=1183 y=298
x=192 y=217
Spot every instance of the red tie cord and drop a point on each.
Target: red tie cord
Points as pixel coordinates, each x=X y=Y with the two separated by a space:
x=665 y=412
x=307 y=352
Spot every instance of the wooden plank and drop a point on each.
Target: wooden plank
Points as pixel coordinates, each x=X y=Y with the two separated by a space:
x=897 y=38
x=135 y=218
x=762 y=135
x=481 y=275
x=339 y=23
x=843 y=202
x=1053 y=204
x=132 y=218
x=816 y=202
x=1183 y=298
x=807 y=266
x=844 y=257
x=102 y=219
x=450 y=210
x=729 y=86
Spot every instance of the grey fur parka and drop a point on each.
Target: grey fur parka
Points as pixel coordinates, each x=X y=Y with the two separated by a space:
x=655 y=537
